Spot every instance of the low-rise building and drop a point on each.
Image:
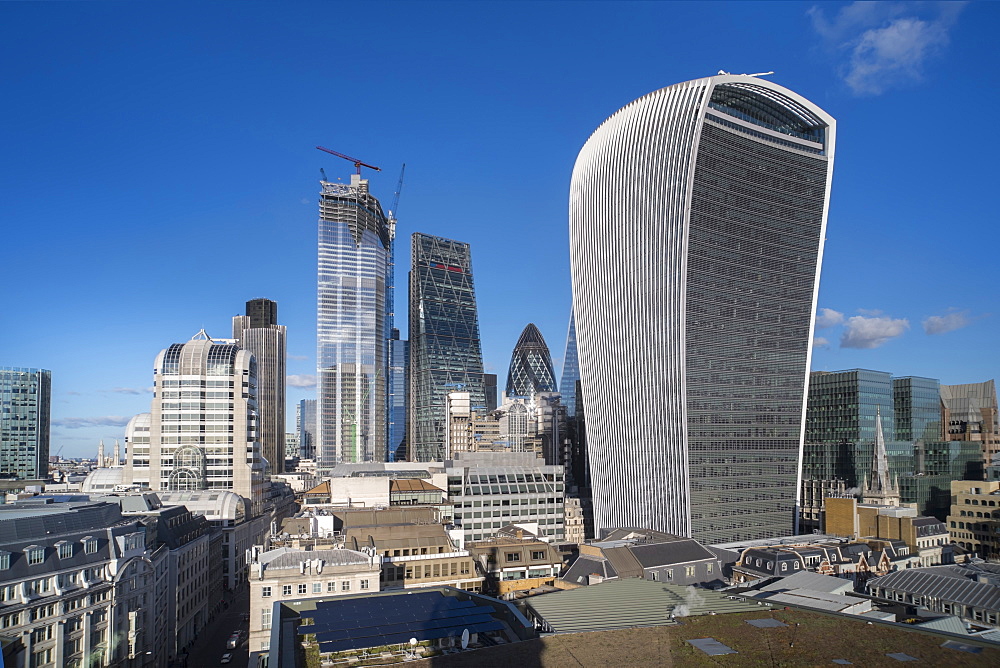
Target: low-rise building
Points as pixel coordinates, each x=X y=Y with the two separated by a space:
x=285 y=573
x=515 y=560
x=974 y=520
x=856 y=561
x=647 y=554
x=81 y=586
x=927 y=537
x=971 y=592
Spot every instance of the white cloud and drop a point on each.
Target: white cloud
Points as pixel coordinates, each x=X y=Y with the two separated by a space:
x=885 y=44
x=820 y=342
x=827 y=317
x=133 y=390
x=865 y=332
x=870 y=311
x=301 y=380
x=81 y=422
x=949 y=322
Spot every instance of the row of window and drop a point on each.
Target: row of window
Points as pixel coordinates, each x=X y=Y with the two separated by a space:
x=303 y=588
x=35 y=554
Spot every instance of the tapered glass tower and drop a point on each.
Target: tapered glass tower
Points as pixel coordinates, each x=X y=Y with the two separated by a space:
x=570 y=370
x=697 y=217
x=355 y=240
x=530 y=370
x=445 y=352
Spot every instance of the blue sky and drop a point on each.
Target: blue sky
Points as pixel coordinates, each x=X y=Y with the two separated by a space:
x=159 y=167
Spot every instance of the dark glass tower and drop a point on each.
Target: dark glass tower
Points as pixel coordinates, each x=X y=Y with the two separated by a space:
x=530 y=370
x=399 y=353
x=445 y=352
x=570 y=370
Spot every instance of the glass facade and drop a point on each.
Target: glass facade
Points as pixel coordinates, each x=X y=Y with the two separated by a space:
x=445 y=352
x=697 y=216
x=353 y=325
x=840 y=426
x=399 y=356
x=756 y=217
x=918 y=408
x=25 y=406
x=530 y=370
x=570 y=370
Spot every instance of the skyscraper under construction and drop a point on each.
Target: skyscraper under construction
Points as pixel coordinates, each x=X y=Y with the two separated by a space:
x=353 y=324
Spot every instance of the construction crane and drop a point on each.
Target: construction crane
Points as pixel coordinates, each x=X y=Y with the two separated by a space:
x=399 y=189
x=357 y=163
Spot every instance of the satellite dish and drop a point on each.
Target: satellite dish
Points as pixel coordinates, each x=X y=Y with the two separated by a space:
x=465 y=639
x=413 y=642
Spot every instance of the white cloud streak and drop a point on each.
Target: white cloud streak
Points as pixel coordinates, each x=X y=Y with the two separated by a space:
x=305 y=380
x=884 y=45
x=820 y=342
x=865 y=332
x=133 y=390
x=827 y=317
x=949 y=322
x=82 y=422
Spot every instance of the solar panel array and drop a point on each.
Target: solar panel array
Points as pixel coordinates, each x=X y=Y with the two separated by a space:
x=390 y=620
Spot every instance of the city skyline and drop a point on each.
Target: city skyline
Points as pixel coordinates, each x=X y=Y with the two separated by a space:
x=227 y=128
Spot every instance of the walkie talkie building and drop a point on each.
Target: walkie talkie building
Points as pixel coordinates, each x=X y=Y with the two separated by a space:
x=697 y=218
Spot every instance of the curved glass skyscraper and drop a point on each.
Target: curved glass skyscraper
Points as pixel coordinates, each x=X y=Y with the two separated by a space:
x=353 y=325
x=697 y=217
x=530 y=370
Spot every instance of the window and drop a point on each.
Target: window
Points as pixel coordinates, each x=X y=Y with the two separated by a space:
x=689 y=571
x=653 y=575
x=265 y=619
x=286 y=590
x=537 y=555
x=4 y=560
x=513 y=556
x=669 y=573
x=317 y=587
x=302 y=588
x=709 y=568
x=65 y=549
x=331 y=586
x=345 y=585
x=36 y=555
x=265 y=592
x=89 y=545
x=365 y=584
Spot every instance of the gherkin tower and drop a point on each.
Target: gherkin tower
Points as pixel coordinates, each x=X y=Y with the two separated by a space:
x=530 y=369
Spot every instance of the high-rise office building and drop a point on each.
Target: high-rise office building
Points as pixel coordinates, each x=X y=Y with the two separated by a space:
x=530 y=370
x=355 y=241
x=490 y=390
x=25 y=405
x=305 y=425
x=203 y=421
x=445 y=352
x=570 y=370
x=399 y=355
x=969 y=413
x=259 y=332
x=697 y=217
x=841 y=424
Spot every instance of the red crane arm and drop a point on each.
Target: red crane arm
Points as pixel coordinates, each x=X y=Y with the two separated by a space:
x=357 y=163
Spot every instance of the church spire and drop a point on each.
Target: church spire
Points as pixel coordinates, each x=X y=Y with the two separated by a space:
x=880 y=488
